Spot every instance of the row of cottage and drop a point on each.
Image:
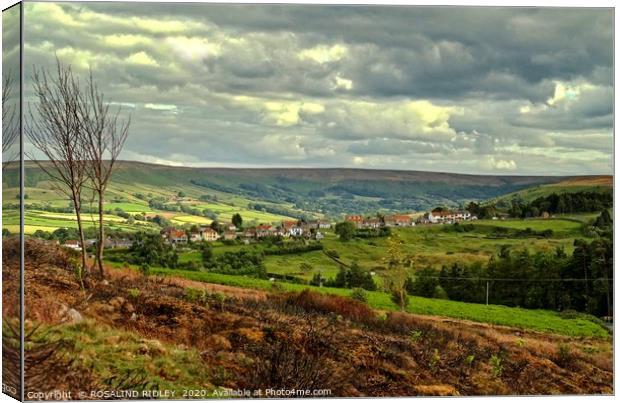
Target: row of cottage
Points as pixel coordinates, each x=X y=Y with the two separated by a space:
x=309 y=229
x=446 y=217
x=401 y=220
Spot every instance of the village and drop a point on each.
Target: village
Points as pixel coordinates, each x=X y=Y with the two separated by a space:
x=314 y=229
x=307 y=229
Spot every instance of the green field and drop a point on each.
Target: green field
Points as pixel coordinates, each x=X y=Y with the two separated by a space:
x=49 y=221
x=46 y=221
x=424 y=245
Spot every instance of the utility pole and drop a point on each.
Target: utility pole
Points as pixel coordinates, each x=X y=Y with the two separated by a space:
x=487 y=292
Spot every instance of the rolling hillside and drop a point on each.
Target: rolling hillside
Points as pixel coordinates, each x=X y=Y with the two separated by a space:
x=322 y=191
x=199 y=195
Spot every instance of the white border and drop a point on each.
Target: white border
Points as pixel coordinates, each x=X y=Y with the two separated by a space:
x=530 y=3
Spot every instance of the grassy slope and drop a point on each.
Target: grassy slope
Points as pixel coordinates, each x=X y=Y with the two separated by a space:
x=573 y=185
x=538 y=320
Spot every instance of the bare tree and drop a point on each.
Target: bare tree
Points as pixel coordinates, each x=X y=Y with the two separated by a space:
x=103 y=135
x=10 y=129
x=54 y=128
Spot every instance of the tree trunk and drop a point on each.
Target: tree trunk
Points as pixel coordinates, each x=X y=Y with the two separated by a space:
x=101 y=243
x=78 y=215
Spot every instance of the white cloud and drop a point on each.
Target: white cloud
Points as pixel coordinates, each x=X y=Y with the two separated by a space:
x=142 y=59
x=492 y=164
x=419 y=119
x=126 y=40
x=324 y=53
x=161 y=107
x=342 y=83
x=193 y=49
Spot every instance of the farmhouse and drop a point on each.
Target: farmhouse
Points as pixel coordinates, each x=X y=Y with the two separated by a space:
x=292 y=228
x=357 y=220
x=287 y=225
x=174 y=236
x=398 y=220
x=229 y=235
x=118 y=243
x=208 y=234
x=372 y=223
x=265 y=230
x=296 y=231
x=72 y=244
x=448 y=217
x=319 y=224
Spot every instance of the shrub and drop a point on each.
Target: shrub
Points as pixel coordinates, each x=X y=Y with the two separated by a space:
x=496 y=366
x=134 y=292
x=416 y=335
x=348 y=308
x=145 y=269
x=359 y=294
x=196 y=296
x=564 y=355
x=435 y=359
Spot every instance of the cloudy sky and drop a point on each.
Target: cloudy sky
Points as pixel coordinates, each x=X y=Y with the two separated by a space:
x=470 y=90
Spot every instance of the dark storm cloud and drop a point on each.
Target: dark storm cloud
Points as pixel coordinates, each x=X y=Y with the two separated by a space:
x=344 y=85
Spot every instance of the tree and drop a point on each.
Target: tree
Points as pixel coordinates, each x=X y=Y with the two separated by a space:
x=151 y=249
x=103 y=135
x=359 y=277
x=395 y=278
x=603 y=220
x=207 y=255
x=425 y=282
x=237 y=220
x=54 y=127
x=345 y=230
x=215 y=226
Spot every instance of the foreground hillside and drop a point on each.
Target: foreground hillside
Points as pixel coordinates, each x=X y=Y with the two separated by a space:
x=148 y=333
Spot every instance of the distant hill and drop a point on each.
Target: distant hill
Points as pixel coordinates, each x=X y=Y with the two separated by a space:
x=329 y=191
x=567 y=185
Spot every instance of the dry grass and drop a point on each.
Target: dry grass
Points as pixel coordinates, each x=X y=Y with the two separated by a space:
x=315 y=340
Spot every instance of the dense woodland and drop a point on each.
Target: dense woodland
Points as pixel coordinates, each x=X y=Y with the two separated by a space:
x=564 y=203
x=582 y=281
